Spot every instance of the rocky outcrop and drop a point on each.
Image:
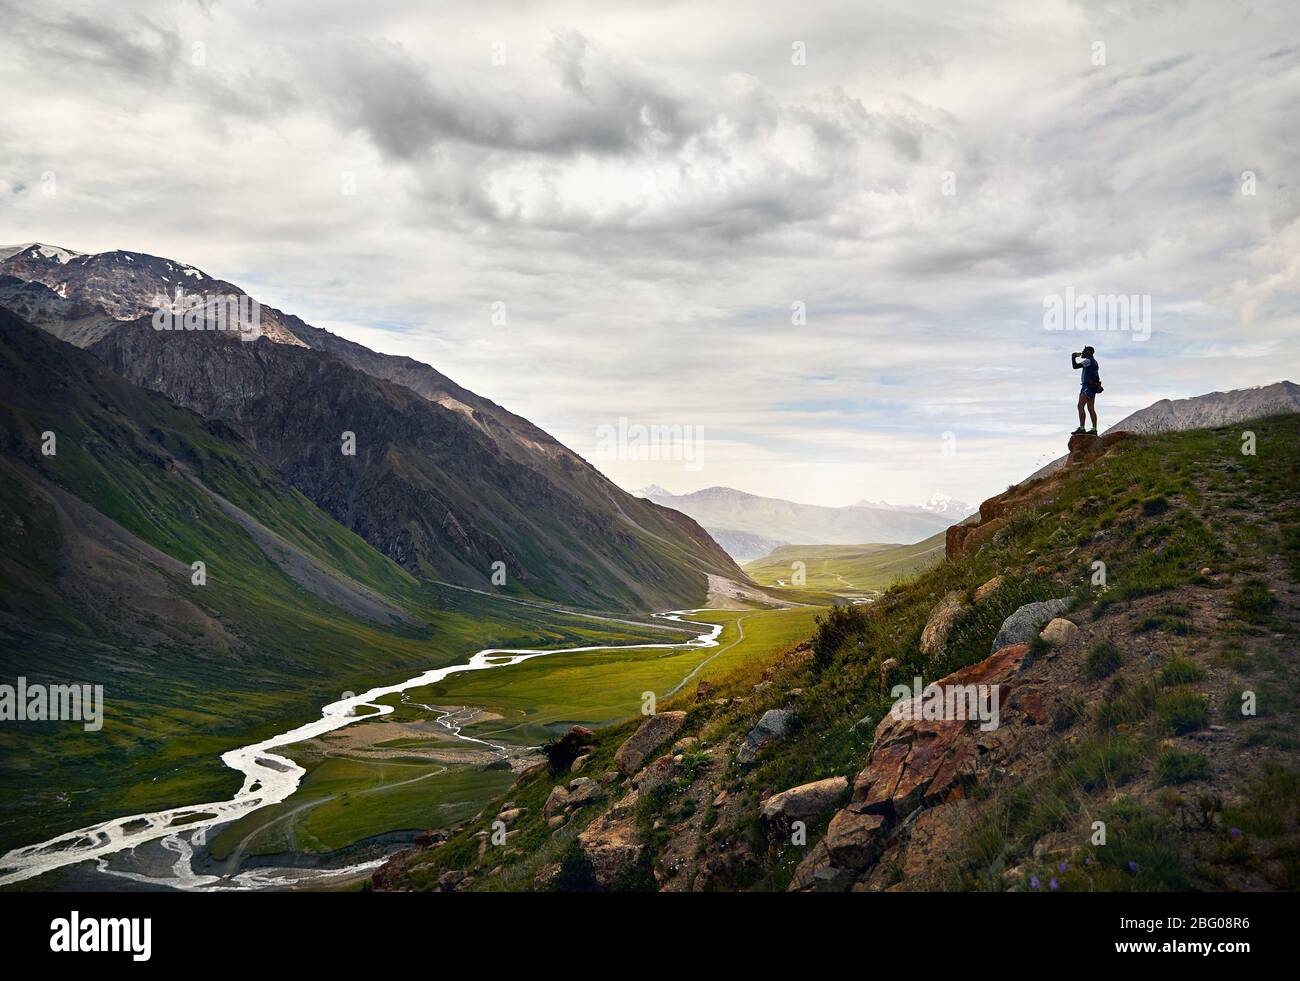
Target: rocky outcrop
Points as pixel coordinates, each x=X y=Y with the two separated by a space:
x=1023 y=625
x=771 y=728
x=804 y=802
x=918 y=764
x=942 y=619
x=653 y=733
x=968 y=537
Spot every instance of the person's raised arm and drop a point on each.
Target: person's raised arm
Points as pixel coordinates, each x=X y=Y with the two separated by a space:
x=1074 y=360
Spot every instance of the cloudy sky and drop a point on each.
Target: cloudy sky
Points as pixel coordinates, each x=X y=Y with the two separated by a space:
x=819 y=234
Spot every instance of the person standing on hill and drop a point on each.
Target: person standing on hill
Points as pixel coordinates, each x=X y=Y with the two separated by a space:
x=1091 y=385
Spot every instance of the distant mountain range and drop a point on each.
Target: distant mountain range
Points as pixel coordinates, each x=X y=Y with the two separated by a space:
x=940 y=504
x=443 y=482
x=749 y=526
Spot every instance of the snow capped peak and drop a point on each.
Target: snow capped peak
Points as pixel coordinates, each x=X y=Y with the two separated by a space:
x=654 y=490
x=38 y=250
x=941 y=504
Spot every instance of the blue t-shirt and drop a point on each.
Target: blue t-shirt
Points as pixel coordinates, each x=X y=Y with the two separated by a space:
x=1091 y=373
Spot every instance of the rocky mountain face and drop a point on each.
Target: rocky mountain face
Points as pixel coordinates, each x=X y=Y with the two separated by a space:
x=440 y=480
x=732 y=513
x=1212 y=409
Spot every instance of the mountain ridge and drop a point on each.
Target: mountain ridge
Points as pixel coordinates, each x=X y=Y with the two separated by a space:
x=465 y=484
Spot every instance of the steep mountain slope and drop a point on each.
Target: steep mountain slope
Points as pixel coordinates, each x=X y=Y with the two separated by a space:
x=444 y=482
x=1160 y=701
x=787 y=523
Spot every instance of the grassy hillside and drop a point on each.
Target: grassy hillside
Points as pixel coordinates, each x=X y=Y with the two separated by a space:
x=847 y=569
x=1144 y=728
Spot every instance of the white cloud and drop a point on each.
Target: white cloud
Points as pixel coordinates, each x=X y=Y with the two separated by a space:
x=648 y=189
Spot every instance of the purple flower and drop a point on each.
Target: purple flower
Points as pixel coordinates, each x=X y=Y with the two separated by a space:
x=1235 y=832
x=1063 y=866
x=1088 y=860
x=1033 y=882
x=1054 y=885
x=1133 y=867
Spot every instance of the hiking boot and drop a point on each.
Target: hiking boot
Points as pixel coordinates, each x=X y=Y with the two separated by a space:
x=1092 y=431
x=1077 y=432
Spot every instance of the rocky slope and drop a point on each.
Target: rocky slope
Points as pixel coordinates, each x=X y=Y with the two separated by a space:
x=1136 y=615
x=1213 y=409
x=442 y=481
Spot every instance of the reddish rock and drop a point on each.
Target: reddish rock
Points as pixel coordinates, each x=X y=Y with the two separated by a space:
x=922 y=761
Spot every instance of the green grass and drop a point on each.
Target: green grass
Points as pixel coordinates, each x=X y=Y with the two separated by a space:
x=550 y=693
x=1175 y=767
x=848 y=569
x=1182 y=711
x=1181 y=671
x=1103 y=660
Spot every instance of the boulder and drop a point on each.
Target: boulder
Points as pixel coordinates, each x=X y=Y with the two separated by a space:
x=771 y=728
x=804 y=802
x=557 y=801
x=583 y=791
x=530 y=771
x=940 y=623
x=989 y=588
x=1084 y=447
x=653 y=733
x=579 y=763
x=511 y=814
x=1059 y=631
x=653 y=774
x=854 y=839
x=1023 y=625
x=612 y=848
